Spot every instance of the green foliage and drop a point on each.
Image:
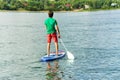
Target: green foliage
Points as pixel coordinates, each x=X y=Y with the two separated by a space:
x=34 y=6
x=57 y=5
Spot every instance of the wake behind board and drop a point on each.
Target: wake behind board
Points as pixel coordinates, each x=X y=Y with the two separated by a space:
x=53 y=56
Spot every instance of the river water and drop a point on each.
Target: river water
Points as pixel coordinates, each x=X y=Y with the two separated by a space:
x=93 y=38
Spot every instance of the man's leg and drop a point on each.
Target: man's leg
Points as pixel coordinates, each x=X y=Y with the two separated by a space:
x=54 y=36
x=48 y=49
x=56 y=47
x=49 y=37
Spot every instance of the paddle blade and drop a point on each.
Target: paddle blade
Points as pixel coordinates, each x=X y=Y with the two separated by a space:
x=70 y=55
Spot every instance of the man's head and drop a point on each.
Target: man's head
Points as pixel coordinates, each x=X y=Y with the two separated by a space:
x=50 y=13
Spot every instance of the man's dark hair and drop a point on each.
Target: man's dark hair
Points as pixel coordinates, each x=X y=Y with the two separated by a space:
x=50 y=13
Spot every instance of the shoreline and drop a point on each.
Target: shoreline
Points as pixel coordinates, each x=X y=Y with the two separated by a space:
x=75 y=10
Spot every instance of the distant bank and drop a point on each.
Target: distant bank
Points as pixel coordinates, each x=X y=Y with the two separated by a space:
x=75 y=10
x=58 y=5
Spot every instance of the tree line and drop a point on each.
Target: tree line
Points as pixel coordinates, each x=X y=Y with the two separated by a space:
x=57 y=5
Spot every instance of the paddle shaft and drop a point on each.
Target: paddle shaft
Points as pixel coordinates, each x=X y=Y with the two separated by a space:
x=69 y=55
x=63 y=44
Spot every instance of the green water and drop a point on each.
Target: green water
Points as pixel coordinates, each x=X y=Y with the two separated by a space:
x=93 y=38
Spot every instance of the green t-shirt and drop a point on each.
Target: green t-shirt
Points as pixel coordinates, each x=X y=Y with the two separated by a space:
x=50 y=25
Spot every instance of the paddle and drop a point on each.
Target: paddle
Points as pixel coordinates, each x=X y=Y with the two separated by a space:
x=69 y=54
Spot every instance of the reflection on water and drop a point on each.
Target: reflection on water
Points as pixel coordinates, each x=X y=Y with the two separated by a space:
x=53 y=72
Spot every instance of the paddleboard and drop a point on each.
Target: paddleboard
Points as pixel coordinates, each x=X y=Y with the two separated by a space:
x=53 y=56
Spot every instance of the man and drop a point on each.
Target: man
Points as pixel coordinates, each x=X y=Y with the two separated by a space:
x=52 y=32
